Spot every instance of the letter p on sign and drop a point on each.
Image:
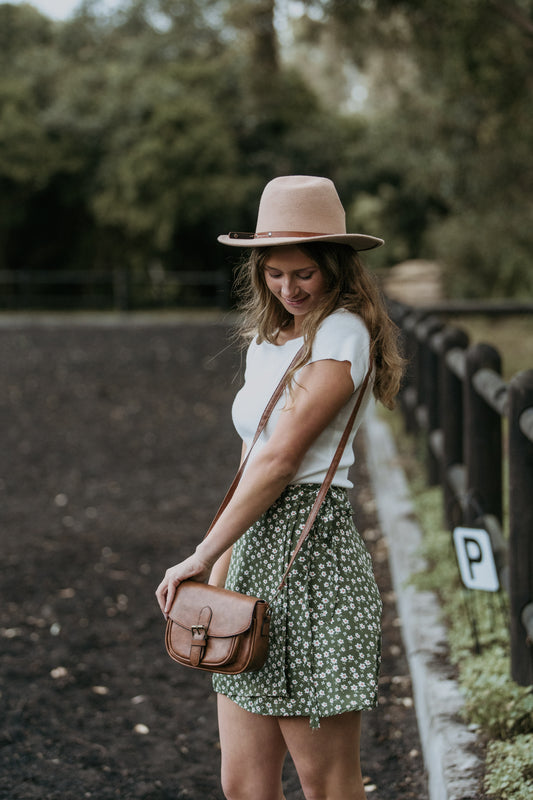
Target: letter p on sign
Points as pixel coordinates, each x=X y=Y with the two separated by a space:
x=476 y=559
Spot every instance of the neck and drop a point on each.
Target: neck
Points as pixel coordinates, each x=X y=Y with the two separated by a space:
x=296 y=328
x=288 y=332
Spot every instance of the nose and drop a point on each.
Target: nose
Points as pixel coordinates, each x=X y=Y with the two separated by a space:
x=287 y=286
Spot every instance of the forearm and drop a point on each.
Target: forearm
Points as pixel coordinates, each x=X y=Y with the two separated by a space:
x=262 y=483
x=219 y=572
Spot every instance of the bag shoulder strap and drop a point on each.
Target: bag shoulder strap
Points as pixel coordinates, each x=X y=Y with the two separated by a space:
x=278 y=391
x=326 y=483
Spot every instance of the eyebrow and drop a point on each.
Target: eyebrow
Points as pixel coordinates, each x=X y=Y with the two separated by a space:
x=300 y=269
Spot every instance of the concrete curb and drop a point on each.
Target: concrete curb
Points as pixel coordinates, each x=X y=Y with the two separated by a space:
x=449 y=747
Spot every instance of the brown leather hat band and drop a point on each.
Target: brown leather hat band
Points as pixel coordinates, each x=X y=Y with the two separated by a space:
x=280 y=235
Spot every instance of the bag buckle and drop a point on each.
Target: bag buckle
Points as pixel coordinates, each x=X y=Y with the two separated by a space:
x=198 y=643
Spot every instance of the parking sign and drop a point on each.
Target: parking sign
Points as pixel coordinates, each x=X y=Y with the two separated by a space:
x=476 y=559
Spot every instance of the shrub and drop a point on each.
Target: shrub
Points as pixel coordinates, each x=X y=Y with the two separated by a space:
x=510 y=769
x=492 y=700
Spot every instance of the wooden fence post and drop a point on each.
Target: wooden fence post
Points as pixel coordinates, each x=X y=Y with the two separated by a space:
x=520 y=524
x=451 y=415
x=409 y=395
x=482 y=439
x=428 y=379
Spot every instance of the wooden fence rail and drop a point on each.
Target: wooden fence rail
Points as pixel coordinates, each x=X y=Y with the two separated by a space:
x=116 y=288
x=454 y=396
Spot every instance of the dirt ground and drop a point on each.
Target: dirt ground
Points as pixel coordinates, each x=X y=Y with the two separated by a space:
x=117 y=446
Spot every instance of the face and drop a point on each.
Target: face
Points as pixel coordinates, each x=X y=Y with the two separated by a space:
x=295 y=279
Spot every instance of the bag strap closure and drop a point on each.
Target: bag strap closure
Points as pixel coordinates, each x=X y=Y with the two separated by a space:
x=278 y=391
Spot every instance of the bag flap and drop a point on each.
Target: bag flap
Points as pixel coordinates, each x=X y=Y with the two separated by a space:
x=232 y=612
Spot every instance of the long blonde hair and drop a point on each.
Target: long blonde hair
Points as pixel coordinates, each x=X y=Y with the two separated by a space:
x=349 y=285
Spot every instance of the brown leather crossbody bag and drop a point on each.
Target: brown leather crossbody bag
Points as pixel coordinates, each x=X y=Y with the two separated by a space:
x=218 y=630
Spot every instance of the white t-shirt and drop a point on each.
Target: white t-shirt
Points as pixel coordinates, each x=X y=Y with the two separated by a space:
x=342 y=336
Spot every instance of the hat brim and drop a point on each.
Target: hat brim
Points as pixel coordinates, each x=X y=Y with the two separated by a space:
x=359 y=241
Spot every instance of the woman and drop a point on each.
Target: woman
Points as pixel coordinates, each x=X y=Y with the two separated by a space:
x=302 y=283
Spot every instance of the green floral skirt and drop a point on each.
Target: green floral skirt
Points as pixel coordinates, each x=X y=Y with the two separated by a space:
x=325 y=635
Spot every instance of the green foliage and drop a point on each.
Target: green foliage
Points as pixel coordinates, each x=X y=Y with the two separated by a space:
x=496 y=265
x=150 y=177
x=492 y=700
x=141 y=134
x=510 y=769
x=449 y=161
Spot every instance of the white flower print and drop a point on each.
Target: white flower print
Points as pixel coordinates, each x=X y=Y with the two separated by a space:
x=325 y=631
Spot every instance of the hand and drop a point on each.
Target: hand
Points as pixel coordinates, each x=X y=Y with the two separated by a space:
x=192 y=567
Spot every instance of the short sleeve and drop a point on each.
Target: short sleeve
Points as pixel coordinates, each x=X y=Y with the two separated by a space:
x=343 y=336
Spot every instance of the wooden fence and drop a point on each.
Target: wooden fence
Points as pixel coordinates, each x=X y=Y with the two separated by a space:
x=114 y=288
x=455 y=397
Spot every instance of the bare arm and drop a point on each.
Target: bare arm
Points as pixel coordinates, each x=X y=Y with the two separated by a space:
x=219 y=573
x=324 y=387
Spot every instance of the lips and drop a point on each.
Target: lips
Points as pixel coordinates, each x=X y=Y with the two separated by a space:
x=295 y=303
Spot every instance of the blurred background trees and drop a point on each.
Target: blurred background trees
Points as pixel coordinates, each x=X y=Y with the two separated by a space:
x=132 y=139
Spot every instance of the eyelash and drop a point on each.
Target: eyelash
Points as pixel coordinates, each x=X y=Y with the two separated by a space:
x=301 y=277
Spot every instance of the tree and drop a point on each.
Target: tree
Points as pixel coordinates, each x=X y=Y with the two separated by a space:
x=450 y=122
x=142 y=134
x=160 y=125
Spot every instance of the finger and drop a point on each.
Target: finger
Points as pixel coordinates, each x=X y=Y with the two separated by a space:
x=171 y=591
x=161 y=594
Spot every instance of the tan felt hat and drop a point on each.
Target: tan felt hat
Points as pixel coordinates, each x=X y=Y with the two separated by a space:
x=300 y=208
